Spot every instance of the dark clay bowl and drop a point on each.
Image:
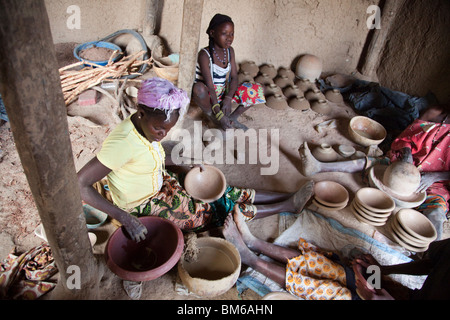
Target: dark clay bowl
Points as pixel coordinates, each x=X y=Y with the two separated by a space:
x=148 y=259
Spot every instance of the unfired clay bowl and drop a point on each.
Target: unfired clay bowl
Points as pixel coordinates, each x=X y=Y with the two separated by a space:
x=416 y=224
x=374 y=200
x=402 y=178
x=364 y=220
x=404 y=235
x=148 y=259
x=325 y=207
x=366 y=131
x=360 y=208
x=214 y=270
x=331 y=193
x=367 y=216
x=207 y=186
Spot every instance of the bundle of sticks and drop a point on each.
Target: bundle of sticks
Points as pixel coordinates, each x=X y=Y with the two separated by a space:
x=74 y=82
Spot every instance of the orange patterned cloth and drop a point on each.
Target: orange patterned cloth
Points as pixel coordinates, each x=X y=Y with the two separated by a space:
x=23 y=277
x=314 y=276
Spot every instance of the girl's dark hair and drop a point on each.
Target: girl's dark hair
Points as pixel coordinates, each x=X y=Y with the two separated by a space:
x=216 y=21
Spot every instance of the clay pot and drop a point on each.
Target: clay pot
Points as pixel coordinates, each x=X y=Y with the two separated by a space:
x=287 y=72
x=283 y=81
x=320 y=106
x=268 y=69
x=304 y=84
x=325 y=153
x=334 y=96
x=292 y=91
x=214 y=270
x=366 y=131
x=314 y=94
x=416 y=224
x=263 y=79
x=402 y=178
x=299 y=103
x=331 y=194
x=272 y=89
x=277 y=102
x=250 y=67
x=374 y=200
x=244 y=77
x=206 y=184
x=309 y=67
x=346 y=151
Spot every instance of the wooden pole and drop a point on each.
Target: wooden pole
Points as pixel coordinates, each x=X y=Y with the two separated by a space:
x=31 y=89
x=377 y=38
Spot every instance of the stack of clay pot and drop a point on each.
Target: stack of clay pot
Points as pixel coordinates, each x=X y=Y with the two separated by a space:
x=412 y=230
x=372 y=206
x=330 y=195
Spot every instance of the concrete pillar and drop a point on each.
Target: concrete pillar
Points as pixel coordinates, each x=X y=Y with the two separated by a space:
x=31 y=89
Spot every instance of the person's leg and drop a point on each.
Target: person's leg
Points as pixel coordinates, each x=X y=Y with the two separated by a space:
x=272 y=270
x=311 y=165
x=295 y=203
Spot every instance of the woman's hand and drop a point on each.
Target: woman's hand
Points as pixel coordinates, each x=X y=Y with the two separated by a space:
x=428 y=178
x=134 y=227
x=226 y=106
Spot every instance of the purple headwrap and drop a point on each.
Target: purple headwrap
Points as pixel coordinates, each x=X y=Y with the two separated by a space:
x=163 y=95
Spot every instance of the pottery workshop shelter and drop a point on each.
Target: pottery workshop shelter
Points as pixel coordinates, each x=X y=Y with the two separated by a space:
x=401 y=44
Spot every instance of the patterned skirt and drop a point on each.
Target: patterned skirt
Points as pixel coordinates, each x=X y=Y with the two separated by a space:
x=247 y=94
x=315 y=276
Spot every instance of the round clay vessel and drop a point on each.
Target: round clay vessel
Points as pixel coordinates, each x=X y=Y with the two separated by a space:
x=148 y=259
x=277 y=102
x=263 y=79
x=214 y=270
x=346 y=150
x=250 y=67
x=320 y=106
x=299 y=103
x=402 y=178
x=325 y=207
x=384 y=215
x=416 y=224
x=407 y=237
x=365 y=220
x=272 y=89
x=282 y=81
x=288 y=73
x=314 y=94
x=244 y=77
x=268 y=69
x=309 y=67
x=374 y=200
x=366 y=131
x=331 y=193
x=367 y=216
x=292 y=91
x=324 y=153
x=304 y=84
x=334 y=95
x=206 y=185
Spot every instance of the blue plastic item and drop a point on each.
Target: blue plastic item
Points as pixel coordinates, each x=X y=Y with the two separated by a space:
x=101 y=44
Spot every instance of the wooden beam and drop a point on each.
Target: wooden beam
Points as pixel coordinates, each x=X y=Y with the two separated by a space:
x=31 y=89
x=377 y=38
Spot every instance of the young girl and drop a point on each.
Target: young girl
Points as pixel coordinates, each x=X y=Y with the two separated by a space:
x=134 y=162
x=216 y=84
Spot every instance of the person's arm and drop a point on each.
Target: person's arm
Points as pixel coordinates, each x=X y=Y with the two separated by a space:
x=233 y=85
x=205 y=69
x=428 y=178
x=92 y=172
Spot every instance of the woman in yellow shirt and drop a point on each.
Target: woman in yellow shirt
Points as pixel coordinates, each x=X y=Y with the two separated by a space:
x=133 y=160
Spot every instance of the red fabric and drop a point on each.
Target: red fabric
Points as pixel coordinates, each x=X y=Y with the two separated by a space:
x=429 y=143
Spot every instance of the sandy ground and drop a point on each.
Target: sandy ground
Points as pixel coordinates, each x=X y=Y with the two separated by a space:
x=19 y=217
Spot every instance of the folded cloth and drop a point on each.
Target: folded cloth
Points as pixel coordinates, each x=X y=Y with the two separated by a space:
x=24 y=277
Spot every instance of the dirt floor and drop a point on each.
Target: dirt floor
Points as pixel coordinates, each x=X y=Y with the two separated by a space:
x=89 y=126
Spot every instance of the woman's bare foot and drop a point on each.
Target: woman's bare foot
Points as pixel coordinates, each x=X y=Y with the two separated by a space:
x=301 y=197
x=239 y=220
x=310 y=165
x=232 y=234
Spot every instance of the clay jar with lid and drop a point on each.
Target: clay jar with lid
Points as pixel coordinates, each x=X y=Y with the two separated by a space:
x=263 y=79
x=244 y=77
x=314 y=94
x=292 y=91
x=325 y=153
x=304 y=84
x=334 y=95
x=299 y=103
x=277 y=102
x=282 y=81
x=320 y=106
x=287 y=72
x=250 y=67
x=272 y=89
x=268 y=69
